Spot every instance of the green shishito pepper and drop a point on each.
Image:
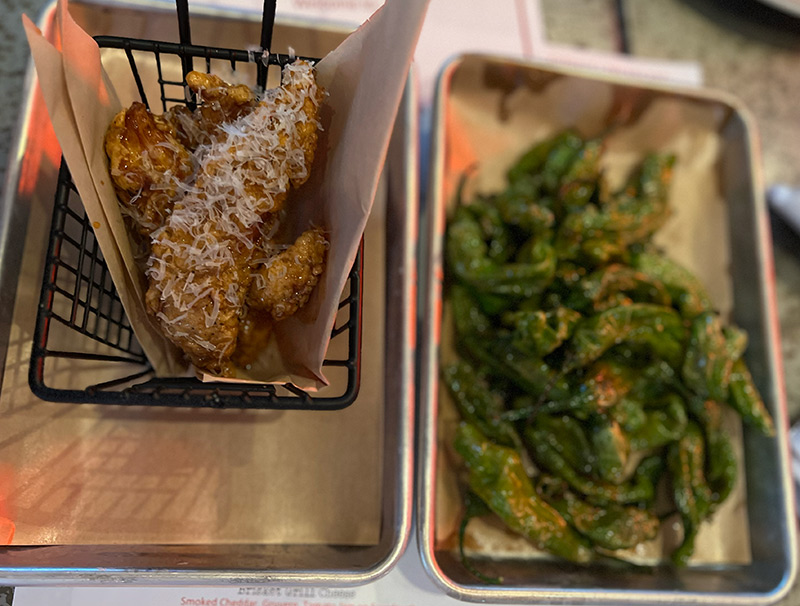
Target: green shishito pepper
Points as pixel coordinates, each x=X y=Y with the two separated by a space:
x=708 y=363
x=612 y=447
x=537 y=332
x=598 y=233
x=745 y=399
x=688 y=294
x=606 y=284
x=721 y=463
x=497 y=476
x=479 y=404
x=548 y=454
x=693 y=496
x=661 y=425
x=608 y=526
x=469 y=260
x=588 y=354
x=656 y=326
x=481 y=342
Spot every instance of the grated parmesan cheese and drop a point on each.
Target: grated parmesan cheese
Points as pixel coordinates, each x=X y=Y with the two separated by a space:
x=201 y=261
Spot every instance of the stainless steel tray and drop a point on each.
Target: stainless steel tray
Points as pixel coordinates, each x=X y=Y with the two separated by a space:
x=103 y=494
x=729 y=240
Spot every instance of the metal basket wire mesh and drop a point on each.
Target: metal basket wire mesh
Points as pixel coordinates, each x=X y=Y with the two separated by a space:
x=79 y=301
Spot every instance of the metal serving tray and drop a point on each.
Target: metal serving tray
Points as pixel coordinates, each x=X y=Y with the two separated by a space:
x=103 y=494
x=733 y=238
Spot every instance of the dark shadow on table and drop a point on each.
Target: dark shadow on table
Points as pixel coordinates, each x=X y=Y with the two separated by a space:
x=752 y=19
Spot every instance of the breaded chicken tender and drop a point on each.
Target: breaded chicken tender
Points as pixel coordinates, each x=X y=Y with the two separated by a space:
x=147 y=164
x=283 y=284
x=221 y=103
x=255 y=331
x=202 y=260
x=197 y=298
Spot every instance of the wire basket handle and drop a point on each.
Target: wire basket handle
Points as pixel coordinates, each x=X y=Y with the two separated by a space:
x=184 y=33
x=267 y=25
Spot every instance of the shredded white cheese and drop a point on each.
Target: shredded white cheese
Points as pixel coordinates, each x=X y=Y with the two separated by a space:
x=241 y=177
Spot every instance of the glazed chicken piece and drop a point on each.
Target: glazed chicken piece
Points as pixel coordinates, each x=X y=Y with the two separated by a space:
x=147 y=165
x=220 y=103
x=255 y=331
x=307 y=130
x=201 y=264
x=284 y=283
x=197 y=281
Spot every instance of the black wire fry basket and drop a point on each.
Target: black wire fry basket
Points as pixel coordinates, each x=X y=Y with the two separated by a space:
x=84 y=349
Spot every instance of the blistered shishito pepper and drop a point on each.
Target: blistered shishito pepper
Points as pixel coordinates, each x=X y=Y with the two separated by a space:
x=596 y=251
x=687 y=292
x=609 y=526
x=583 y=235
x=563 y=154
x=494 y=229
x=569 y=438
x=612 y=449
x=468 y=259
x=721 y=463
x=630 y=216
x=658 y=327
x=520 y=207
x=497 y=476
x=662 y=425
x=641 y=207
x=602 y=288
x=475 y=335
x=530 y=374
x=692 y=495
x=466 y=248
x=745 y=399
x=580 y=181
x=603 y=384
x=640 y=489
x=531 y=162
x=708 y=364
x=479 y=404
x=538 y=332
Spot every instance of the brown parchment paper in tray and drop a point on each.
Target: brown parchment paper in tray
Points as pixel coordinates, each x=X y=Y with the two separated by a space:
x=492 y=114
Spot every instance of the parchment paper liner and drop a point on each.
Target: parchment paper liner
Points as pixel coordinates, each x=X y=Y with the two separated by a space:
x=364 y=77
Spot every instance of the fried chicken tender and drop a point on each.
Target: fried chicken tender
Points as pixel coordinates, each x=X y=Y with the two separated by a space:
x=255 y=331
x=200 y=269
x=197 y=299
x=284 y=283
x=307 y=130
x=221 y=103
x=147 y=165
